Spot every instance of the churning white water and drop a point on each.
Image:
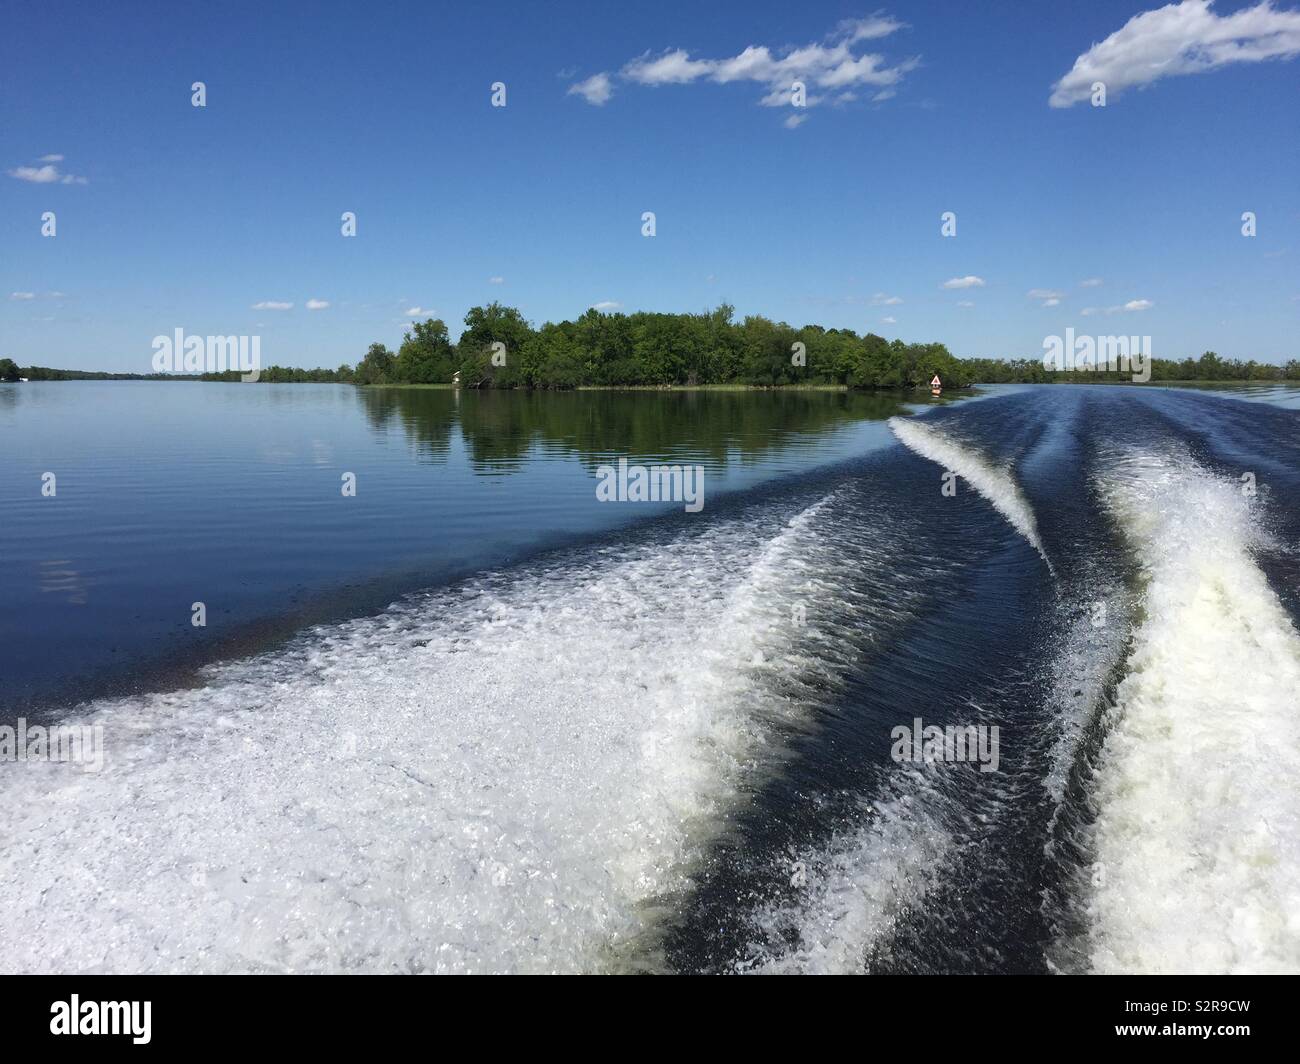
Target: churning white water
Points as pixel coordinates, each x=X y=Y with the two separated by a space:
x=992 y=481
x=1197 y=836
x=501 y=777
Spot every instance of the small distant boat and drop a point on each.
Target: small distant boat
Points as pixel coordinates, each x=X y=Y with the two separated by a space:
x=936 y=385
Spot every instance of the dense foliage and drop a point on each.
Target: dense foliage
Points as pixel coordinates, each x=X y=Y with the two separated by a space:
x=648 y=349
x=498 y=348
x=1209 y=367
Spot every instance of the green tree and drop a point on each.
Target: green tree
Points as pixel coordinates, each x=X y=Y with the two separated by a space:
x=426 y=356
x=376 y=367
x=482 y=363
x=9 y=370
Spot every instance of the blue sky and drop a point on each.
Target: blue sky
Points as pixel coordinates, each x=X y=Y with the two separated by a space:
x=171 y=216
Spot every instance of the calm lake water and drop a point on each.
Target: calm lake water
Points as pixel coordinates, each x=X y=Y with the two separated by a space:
x=170 y=494
x=474 y=720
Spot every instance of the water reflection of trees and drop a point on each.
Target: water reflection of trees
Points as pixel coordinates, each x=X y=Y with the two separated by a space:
x=500 y=428
x=425 y=416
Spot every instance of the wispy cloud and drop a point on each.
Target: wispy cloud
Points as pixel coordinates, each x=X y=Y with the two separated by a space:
x=832 y=66
x=1132 y=306
x=1091 y=282
x=607 y=305
x=49 y=174
x=1183 y=38
x=596 y=90
x=22 y=297
x=969 y=281
x=317 y=304
x=1047 y=297
x=496 y=280
x=412 y=311
x=269 y=304
x=882 y=300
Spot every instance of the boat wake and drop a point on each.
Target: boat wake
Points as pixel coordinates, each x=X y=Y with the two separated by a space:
x=669 y=750
x=1197 y=793
x=994 y=482
x=499 y=777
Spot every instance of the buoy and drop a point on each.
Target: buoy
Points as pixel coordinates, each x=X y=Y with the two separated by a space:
x=936 y=385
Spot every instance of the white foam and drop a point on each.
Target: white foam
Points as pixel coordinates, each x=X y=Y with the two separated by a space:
x=1095 y=624
x=1197 y=835
x=503 y=777
x=994 y=482
x=852 y=890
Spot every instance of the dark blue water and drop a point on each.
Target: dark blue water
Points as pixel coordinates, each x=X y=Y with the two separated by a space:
x=583 y=739
x=231 y=496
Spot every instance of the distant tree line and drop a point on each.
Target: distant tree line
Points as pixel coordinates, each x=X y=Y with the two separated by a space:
x=11 y=372
x=498 y=348
x=647 y=350
x=1209 y=367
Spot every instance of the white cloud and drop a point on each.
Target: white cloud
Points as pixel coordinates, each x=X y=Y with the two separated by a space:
x=317 y=304
x=882 y=300
x=596 y=90
x=50 y=159
x=46 y=175
x=671 y=68
x=1088 y=311
x=1183 y=38
x=1133 y=305
x=268 y=304
x=829 y=65
x=1091 y=282
x=410 y=312
x=867 y=29
x=37 y=175
x=1043 y=293
x=965 y=303
x=1053 y=302
x=795 y=121
x=496 y=280
x=23 y=296
x=889 y=320
x=969 y=281
x=608 y=304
